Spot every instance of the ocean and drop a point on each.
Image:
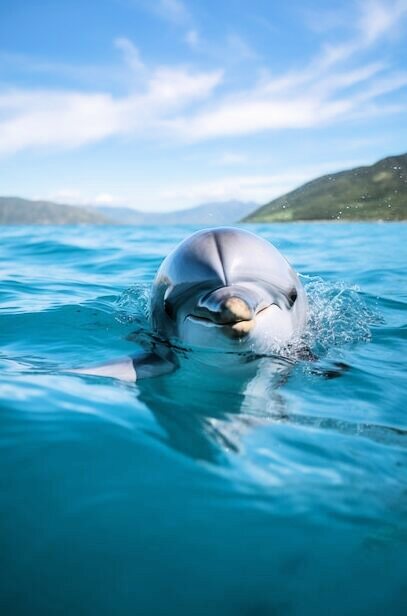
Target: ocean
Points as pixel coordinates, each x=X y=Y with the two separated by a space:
x=187 y=494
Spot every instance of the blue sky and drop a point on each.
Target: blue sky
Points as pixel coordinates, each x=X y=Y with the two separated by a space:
x=164 y=104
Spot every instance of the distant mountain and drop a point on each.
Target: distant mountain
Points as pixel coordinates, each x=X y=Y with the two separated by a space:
x=376 y=192
x=216 y=213
x=16 y=211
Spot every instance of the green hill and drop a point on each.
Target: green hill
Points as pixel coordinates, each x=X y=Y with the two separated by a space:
x=377 y=192
x=16 y=211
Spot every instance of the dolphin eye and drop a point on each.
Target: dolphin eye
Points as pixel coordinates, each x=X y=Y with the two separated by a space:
x=292 y=296
x=168 y=307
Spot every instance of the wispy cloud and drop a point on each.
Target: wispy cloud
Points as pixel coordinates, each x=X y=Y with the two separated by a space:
x=83 y=75
x=131 y=55
x=69 y=119
x=290 y=105
x=255 y=187
x=122 y=71
x=260 y=188
x=172 y=10
x=325 y=91
x=186 y=104
x=380 y=18
x=192 y=38
x=238 y=47
x=233 y=49
x=73 y=196
x=375 y=19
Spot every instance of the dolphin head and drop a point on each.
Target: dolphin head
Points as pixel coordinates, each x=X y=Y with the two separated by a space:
x=227 y=288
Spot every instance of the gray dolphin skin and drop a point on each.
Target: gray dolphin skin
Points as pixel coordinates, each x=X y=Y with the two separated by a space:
x=223 y=289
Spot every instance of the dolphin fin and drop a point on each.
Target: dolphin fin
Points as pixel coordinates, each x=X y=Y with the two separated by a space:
x=130 y=369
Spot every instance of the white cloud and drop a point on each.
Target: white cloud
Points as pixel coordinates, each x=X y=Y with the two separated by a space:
x=380 y=18
x=175 y=196
x=171 y=88
x=70 y=119
x=374 y=19
x=233 y=49
x=259 y=188
x=105 y=199
x=63 y=119
x=74 y=196
x=325 y=91
x=167 y=102
x=165 y=106
x=293 y=106
x=131 y=55
x=255 y=187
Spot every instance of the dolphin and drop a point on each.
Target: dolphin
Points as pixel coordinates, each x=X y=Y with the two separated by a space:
x=223 y=289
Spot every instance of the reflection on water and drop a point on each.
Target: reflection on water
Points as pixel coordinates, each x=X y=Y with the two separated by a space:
x=204 y=410
x=203 y=415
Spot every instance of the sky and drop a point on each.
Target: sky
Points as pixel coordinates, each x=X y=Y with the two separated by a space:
x=165 y=104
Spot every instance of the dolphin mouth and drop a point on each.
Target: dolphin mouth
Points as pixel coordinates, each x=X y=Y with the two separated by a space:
x=234 y=328
x=210 y=320
x=231 y=329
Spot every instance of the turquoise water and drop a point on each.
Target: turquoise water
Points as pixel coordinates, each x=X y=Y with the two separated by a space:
x=194 y=493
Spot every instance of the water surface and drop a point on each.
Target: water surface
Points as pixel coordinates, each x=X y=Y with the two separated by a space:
x=190 y=493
